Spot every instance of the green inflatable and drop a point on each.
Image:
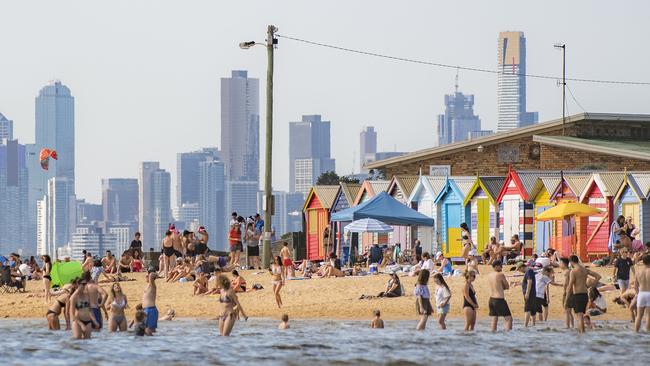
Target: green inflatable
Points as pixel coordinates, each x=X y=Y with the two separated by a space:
x=64 y=272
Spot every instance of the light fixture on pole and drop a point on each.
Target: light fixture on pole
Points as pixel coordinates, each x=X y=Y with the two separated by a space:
x=268 y=203
x=562 y=46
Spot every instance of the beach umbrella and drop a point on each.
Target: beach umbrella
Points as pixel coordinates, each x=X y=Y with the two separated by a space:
x=368 y=226
x=64 y=272
x=568 y=209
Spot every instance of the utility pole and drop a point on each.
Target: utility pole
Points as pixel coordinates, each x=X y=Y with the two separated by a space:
x=563 y=47
x=271 y=41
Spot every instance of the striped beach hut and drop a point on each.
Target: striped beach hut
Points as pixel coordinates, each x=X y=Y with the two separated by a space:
x=422 y=199
x=400 y=188
x=632 y=200
x=369 y=189
x=483 y=209
x=570 y=234
x=541 y=193
x=317 y=210
x=453 y=212
x=344 y=199
x=600 y=192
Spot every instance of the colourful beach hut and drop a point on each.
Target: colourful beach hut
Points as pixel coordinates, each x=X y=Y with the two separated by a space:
x=569 y=234
x=369 y=189
x=632 y=200
x=422 y=199
x=344 y=199
x=317 y=209
x=453 y=212
x=400 y=188
x=541 y=193
x=600 y=192
x=483 y=209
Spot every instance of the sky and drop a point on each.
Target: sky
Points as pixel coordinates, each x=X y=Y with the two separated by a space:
x=145 y=74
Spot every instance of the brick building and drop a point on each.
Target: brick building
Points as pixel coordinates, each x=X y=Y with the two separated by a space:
x=593 y=141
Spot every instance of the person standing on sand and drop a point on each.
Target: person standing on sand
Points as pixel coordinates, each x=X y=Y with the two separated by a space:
x=577 y=297
x=277 y=280
x=287 y=263
x=168 y=254
x=643 y=294
x=423 y=299
x=149 y=301
x=497 y=304
x=564 y=266
x=470 y=305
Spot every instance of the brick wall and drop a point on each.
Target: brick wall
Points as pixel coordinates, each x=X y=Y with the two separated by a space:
x=553 y=158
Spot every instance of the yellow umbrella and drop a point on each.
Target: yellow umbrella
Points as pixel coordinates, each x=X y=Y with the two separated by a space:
x=568 y=209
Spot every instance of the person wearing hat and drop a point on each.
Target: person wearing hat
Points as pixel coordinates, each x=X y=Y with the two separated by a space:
x=445 y=264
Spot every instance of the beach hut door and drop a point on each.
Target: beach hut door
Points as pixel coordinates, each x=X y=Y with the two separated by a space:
x=632 y=209
x=454 y=245
x=542 y=232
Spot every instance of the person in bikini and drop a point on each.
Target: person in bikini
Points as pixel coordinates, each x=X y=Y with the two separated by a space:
x=117 y=319
x=169 y=254
x=231 y=307
x=642 y=287
x=277 y=280
x=149 y=301
x=238 y=283
x=60 y=306
x=47 y=279
x=200 y=284
x=497 y=304
x=83 y=319
x=577 y=297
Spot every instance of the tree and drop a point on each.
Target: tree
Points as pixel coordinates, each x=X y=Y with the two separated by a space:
x=329 y=178
x=345 y=179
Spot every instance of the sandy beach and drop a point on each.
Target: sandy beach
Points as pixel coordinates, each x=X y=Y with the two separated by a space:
x=326 y=298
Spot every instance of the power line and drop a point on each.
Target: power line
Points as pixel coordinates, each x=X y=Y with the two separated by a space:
x=476 y=69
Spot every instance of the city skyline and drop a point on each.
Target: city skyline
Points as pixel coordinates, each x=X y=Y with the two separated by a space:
x=170 y=96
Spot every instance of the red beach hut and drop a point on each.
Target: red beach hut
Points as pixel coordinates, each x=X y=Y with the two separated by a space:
x=317 y=209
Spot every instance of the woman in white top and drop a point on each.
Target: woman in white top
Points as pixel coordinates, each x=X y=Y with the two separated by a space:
x=443 y=296
x=118 y=304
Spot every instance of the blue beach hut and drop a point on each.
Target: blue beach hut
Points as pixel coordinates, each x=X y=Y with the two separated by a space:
x=453 y=212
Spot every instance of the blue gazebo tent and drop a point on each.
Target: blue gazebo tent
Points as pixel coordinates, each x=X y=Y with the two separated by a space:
x=386 y=209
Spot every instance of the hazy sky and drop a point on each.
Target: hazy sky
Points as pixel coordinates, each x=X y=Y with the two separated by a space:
x=145 y=74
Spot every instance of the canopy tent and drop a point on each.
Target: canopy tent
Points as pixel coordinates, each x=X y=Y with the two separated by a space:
x=64 y=272
x=386 y=209
x=567 y=209
x=368 y=226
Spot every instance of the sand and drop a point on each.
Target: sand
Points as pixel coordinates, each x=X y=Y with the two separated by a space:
x=326 y=298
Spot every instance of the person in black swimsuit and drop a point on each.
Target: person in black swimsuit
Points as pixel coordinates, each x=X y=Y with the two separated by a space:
x=47 y=280
x=169 y=253
x=470 y=305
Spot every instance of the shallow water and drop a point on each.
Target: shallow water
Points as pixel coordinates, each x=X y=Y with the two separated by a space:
x=258 y=341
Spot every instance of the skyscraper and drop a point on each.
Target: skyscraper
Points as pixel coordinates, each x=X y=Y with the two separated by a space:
x=187 y=174
x=55 y=129
x=309 y=152
x=368 y=146
x=6 y=128
x=94 y=239
x=459 y=119
x=13 y=198
x=120 y=201
x=212 y=204
x=155 y=207
x=240 y=146
x=288 y=211
x=511 y=83
x=56 y=216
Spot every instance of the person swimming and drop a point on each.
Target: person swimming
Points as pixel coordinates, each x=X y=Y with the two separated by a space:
x=284 y=324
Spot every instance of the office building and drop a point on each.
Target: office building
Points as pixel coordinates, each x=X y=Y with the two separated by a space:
x=13 y=197
x=56 y=216
x=388 y=154
x=6 y=128
x=368 y=147
x=287 y=215
x=187 y=174
x=186 y=215
x=476 y=134
x=212 y=204
x=120 y=201
x=459 y=120
x=91 y=238
x=241 y=197
x=154 y=208
x=89 y=212
x=511 y=83
x=309 y=152
x=123 y=235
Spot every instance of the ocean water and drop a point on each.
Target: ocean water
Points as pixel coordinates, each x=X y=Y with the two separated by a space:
x=259 y=342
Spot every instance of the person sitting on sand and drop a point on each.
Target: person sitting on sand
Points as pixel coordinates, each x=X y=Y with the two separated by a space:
x=374 y=255
x=125 y=264
x=284 y=324
x=376 y=322
x=238 y=282
x=488 y=251
x=109 y=262
x=445 y=264
x=393 y=287
x=200 y=284
x=388 y=257
x=425 y=263
x=333 y=269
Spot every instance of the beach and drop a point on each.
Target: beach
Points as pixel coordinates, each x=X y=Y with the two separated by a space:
x=318 y=298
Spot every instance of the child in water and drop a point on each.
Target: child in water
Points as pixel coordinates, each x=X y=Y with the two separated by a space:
x=284 y=324
x=377 y=323
x=140 y=326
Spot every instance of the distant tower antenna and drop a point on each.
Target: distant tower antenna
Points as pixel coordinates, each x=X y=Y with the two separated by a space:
x=456 y=85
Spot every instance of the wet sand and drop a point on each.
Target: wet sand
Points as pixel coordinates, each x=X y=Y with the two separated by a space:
x=326 y=298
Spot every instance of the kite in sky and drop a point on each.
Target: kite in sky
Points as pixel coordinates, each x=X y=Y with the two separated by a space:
x=45 y=156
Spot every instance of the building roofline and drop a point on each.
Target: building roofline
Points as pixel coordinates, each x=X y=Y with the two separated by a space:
x=506 y=136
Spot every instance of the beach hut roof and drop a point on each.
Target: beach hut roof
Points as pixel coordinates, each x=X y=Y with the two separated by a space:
x=405 y=183
x=436 y=184
x=350 y=190
x=372 y=187
x=549 y=183
x=609 y=183
x=325 y=194
x=490 y=185
x=462 y=186
x=642 y=180
x=577 y=183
